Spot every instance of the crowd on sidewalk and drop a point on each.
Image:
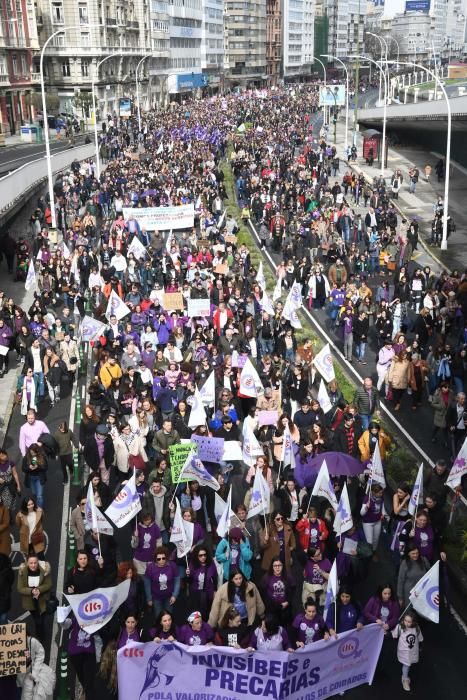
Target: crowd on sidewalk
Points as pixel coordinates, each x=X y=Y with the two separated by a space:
x=158 y=365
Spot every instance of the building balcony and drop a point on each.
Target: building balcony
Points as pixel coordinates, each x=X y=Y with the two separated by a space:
x=111 y=21
x=15 y=42
x=4 y=79
x=133 y=24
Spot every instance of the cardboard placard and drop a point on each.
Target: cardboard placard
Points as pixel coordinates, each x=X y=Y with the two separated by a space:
x=178 y=455
x=198 y=307
x=221 y=269
x=173 y=301
x=13 y=649
x=210 y=449
x=232 y=451
x=268 y=417
x=230 y=238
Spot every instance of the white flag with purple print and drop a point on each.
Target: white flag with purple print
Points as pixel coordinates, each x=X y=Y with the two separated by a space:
x=181 y=534
x=250 y=383
x=323 y=363
x=459 y=468
x=343 y=520
x=417 y=492
x=266 y=304
x=260 y=278
x=197 y=414
x=251 y=447
x=93 y=610
x=137 y=248
x=376 y=468
x=31 y=279
x=277 y=293
x=93 y=517
x=323 y=486
x=260 y=496
x=223 y=526
x=208 y=390
x=323 y=397
x=424 y=596
x=116 y=307
x=126 y=504
x=332 y=589
x=90 y=328
x=194 y=470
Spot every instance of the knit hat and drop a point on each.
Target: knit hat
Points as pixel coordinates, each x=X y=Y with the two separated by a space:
x=235 y=533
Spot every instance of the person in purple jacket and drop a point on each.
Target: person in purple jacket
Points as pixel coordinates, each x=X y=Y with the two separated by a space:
x=161 y=582
x=349 y=616
x=202 y=579
x=148 y=537
x=372 y=512
x=309 y=626
x=277 y=589
x=315 y=576
x=423 y=535
x=383 y=608
x=196 y=632
x=129 y=633
x=82 y=653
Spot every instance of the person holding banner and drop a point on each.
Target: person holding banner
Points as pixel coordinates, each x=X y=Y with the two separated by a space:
x=308 y=626
x=196 y=632
x=383 y=608
x=348 y=614
x=84 y=576
x=232 y=632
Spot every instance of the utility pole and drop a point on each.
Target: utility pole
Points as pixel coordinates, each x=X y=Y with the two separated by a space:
x=357 y=78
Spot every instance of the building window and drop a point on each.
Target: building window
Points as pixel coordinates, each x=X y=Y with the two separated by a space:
x=14 y=64
x=83 y=13
x=85 y=39
x=57 y=13
x=3 y=68
x=85 y=69
x=66 y=72
x=24 y=66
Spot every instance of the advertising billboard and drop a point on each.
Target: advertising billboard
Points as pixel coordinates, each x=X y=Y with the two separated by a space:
x=331 y=95
x=125 y=107
x=417 y=5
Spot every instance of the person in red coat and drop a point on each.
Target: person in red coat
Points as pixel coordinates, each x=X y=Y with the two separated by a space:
x=220 y=317
x=312 y=531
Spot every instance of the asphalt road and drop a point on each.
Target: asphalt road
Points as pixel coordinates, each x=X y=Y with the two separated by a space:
x=13 y=157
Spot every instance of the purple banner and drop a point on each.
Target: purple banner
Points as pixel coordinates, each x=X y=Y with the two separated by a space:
x=209 y=449
x=168 y=671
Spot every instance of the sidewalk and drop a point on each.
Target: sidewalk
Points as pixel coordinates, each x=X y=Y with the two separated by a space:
x=420 y=204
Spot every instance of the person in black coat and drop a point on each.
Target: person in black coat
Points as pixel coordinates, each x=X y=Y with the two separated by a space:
x=7 y=579
x=288 y=495
x=91 y=449
x=347 y=436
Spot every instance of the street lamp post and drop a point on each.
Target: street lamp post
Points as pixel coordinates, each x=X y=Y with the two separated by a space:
x=334 y=97
x=147 y=55
x=381 y=41
x=334 y=58
x=398 y=51
x=383 y=155
x=439 y=83
x=46 y=121
x=94 y=107
x=325 y=84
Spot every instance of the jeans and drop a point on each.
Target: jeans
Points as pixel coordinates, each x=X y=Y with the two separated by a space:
x=348 y=343
x=159 y=605
x=266 y=346
x=365 y=418
x=412 y=187
x=360 y=350
x=40 y=378
x=37 y=489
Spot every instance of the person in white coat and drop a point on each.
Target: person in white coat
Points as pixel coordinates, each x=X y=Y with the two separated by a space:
x=409 y=638
x=27 y=391
x=129 y=448
x=39 y=680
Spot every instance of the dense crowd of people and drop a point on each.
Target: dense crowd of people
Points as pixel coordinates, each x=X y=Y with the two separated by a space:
x=263 y=584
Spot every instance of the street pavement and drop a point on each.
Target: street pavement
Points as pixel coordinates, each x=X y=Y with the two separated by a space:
x=13 y=157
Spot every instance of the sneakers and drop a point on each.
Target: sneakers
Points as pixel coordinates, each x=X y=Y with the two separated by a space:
x=406 y=684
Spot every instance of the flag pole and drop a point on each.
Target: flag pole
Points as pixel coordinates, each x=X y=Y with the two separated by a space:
x=279 y=474
x=404 y=611
x=99 y=541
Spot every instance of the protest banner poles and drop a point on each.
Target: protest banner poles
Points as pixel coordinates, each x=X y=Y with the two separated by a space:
x=279 y=473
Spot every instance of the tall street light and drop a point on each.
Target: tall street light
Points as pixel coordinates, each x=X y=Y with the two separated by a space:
x=147 y=55
x=376 y=36
x=391 y=38
x=93 y=86
x=46 y=121
x=334 y=58
x=439 y=83
x=376 y=63
x=325 y=84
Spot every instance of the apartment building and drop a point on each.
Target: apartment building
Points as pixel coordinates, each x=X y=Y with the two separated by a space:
x=18 y=44
x=245 y=43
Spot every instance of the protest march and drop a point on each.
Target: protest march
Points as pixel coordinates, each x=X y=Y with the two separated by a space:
x=233 y=503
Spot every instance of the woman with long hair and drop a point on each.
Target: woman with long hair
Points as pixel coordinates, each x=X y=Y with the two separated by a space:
x=348 y=615
x=136 y=599
x=383 y=608
x=277 y=590
x=129 y=632
x=165 y=629
x=239 y=593
x=88 y=424
x=202 y=579
x=270 y=635
x=106 y=680
x=31 y=532
x=412 y=568
x=283 y=423
x=232 y=632
x=277 y=541
x=35 y=467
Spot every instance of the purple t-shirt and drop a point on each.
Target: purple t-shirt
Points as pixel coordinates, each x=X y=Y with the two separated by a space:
x=203 y=578
x=312 y=575
x=147 y=538
x=125 y=637
x=309 y=631
x=424 y=537
x=375 y=509
x=79 y=641
x=276 y=589
x=186 y=635
x=162 y=579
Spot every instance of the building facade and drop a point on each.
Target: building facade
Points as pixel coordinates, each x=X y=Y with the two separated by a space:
x=346 y=20
x=245 y=43
x=18 y=45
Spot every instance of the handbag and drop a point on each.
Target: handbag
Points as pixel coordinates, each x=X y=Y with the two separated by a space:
x=136 y=462
x=37 y=538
